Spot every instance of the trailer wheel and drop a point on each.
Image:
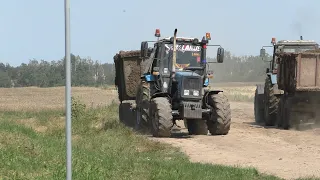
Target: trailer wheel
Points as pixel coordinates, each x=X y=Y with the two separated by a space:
x=280 y=112
x=197 y=127
x=161 y=117
x=142 y=109
x=219 y=120
x=121 y=113
x=258 y=107
x=126 y=114
x=270 y=104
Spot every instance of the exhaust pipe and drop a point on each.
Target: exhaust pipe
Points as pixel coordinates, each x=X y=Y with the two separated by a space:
x=174 y=53
x=301 y=38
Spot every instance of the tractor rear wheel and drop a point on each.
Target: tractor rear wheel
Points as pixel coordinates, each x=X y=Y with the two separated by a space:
x=197 y=127
x=219 y=121
x=161 y=117
x=280 y=112
x=142 y=107
x=271 y=102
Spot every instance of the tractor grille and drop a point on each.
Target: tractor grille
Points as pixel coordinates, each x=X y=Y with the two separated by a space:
x=192 y=83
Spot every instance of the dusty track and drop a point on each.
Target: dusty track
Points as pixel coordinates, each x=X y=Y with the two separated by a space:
x=287 y=154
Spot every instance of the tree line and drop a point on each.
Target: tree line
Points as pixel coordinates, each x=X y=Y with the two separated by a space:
x=41 y=73
x=87 y=72
x=247 y=68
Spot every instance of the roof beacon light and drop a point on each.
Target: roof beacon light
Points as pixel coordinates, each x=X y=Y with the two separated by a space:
x=208 y=37
x=273 y=40
x=157 y=33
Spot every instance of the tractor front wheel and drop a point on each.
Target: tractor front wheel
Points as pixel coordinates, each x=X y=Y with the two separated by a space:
x=219 y=121
x=161 y=117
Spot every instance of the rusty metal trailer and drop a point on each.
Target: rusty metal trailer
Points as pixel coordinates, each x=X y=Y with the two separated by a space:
x=298 y=76
x=128 y=65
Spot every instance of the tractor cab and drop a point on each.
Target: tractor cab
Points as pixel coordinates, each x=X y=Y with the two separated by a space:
x=179 y=56
x=188 y=53
x=287 y=46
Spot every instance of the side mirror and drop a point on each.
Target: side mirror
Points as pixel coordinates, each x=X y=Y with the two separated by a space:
x=262 y=52
x=144 y=49
x=220 y=55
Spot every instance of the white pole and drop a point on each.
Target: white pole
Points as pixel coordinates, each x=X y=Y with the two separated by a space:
x=68 y=90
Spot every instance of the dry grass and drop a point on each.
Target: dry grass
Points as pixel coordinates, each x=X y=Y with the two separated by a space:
x=35 y=99
x=237 y=91
x=235 y=84
x=245 y=93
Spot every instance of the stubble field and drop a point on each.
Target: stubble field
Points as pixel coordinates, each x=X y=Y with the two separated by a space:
x=34 y=99
x=38 y=99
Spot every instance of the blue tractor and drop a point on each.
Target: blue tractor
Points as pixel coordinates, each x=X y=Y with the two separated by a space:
x=174 y=86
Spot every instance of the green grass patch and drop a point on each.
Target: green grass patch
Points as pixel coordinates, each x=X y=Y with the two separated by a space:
x=32 y=146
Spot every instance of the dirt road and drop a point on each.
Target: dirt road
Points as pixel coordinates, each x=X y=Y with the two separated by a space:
x=287 y=154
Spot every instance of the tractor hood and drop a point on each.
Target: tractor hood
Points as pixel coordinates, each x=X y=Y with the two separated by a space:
x=189 y=84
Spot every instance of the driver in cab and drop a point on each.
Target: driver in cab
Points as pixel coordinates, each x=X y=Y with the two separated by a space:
x=187 y=59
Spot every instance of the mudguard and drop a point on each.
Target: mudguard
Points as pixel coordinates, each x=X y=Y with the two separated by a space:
x=149 y=78
x=273 y=78
x=206 y=82
x=208 y=92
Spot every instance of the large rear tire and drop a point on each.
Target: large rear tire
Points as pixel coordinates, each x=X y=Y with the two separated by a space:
x=161 y=117
x=219 y=120
x=280 y=113
x=258 y=107
x=142 y=108
x=271 y=103
x=286 y=113
x=197 y=127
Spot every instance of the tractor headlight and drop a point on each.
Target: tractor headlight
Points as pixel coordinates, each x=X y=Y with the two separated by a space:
x=186 y=92
x=196 y=93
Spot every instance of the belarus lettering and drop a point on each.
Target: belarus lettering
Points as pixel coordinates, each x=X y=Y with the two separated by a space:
x=183 y=48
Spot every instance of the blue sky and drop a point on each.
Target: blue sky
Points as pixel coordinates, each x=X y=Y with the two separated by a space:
x=100 y=28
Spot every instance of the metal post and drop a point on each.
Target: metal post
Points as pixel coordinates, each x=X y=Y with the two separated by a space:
x=68 y=90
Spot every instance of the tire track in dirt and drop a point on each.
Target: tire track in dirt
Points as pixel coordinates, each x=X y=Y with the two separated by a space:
x=287 y=154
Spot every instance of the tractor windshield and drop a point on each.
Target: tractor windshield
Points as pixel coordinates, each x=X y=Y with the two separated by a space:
x=187 y=55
